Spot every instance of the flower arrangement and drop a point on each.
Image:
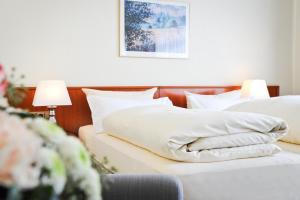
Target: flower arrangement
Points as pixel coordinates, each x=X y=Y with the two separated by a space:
x=8 y=87
x=38 y=160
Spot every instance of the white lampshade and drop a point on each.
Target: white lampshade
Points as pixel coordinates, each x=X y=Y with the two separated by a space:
x=51 y=93
x=256 y=89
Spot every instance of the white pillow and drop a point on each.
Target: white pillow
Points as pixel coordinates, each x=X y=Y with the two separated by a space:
x=214 y=102
x=285 y=107
x=103 y=106
x=147 y=94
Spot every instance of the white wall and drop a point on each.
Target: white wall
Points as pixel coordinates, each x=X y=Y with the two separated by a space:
x=296 y=72
x=77 y=40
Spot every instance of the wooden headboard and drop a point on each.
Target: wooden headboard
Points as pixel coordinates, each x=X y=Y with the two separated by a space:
x=77 y=115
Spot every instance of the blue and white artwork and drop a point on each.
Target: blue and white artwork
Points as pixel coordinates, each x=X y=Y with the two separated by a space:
x=154 y=29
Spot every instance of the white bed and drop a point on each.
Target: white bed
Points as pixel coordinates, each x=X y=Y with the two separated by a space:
x=275 y=177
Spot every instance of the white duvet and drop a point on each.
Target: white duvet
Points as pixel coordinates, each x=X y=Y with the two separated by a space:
x=197 y=136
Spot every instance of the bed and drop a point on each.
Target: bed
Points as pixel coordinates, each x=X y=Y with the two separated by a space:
x=274 y=177
x=255 y=178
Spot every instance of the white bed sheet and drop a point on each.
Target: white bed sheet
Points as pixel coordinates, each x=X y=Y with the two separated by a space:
x=274 y=178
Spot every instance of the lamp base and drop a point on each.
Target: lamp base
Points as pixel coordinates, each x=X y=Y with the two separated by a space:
x=52 y=113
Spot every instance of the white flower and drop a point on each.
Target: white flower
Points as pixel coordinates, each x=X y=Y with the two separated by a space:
x=55 y=174
x=10 y=109
x=48 y=130
x=90 y=184
x=26 y=163
x=3 y=102
x=78 y=165
x=74 y=155
x=19 y=149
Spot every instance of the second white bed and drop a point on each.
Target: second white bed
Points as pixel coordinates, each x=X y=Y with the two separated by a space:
x=275 y=177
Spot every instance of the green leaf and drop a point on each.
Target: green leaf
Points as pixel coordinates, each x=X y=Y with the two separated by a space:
x=44 y=192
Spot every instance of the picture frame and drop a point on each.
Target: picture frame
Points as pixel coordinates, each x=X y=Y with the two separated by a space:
x=154 y=28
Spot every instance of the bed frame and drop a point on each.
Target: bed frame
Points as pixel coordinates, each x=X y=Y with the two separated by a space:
x=77 y=115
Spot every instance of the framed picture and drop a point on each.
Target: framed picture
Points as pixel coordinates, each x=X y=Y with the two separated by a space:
x=154 y=28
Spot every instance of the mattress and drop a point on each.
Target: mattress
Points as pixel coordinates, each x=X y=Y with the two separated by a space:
x=275 y=177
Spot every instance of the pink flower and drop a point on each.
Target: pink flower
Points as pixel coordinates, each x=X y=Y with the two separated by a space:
x=19 y=148
x=3 y=81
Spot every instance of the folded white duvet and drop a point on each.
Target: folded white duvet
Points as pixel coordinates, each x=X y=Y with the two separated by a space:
x=195 y=135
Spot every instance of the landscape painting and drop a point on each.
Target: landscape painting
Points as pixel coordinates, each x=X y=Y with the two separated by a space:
x=154 y=29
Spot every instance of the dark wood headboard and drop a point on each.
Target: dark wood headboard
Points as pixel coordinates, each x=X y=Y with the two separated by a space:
x=77 y=115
